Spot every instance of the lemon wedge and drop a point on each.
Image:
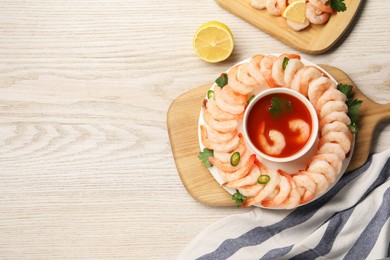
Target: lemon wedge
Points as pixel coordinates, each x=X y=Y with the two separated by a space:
x=296 y=11
x=213 y=42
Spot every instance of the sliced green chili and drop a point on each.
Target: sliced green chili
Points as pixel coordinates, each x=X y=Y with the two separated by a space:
x=235 y=159
x=210 y=94
x=263 y=179
x=285 y=61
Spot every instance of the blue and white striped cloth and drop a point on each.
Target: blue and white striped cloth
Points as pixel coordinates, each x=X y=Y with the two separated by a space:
x=351 y=221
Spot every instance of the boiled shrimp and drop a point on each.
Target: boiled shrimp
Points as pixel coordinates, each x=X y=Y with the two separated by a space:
x=258 y=4
x=275 y=7
x=244 y=76
x=296 y=26
x=271 y=196
x=303 y=129
x=251 y=190
x=226 y=106
x=323 y=167
x=336 y=137
x=309 y=74
x=294 y=197
x=277 y=72
x=236 y=85
x=320 y=5
x=225 y=156
x=228 y=94
x=218 y=146
x=335 y=116
x=266 y=69
x=250 y=179
x=336 y=126
x=305 y=186
x=334 y=148
x=317 y=88
x=221 y=126
x=332 y=159
x=315 y=15
x=216 y=112
x=292 y=67
x=282 y=191
x=266 y=191
x=331 y=94
x=332 y=106
x=320 y=180
x=218 y=136
x=226 y=166
x=254 y=71
x=279 y=142
x=242 y=172
x=296 y=82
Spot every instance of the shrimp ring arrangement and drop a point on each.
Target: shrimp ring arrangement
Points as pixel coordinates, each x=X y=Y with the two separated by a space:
x=247 y=176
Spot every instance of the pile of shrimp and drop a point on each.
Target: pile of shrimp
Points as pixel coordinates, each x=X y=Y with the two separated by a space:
x=317 y=12
x=223 y=114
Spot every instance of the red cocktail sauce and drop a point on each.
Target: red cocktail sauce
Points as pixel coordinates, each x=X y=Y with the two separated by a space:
x=260 y=114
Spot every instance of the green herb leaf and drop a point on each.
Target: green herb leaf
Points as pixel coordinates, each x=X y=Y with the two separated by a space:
x=353 y=106
x=353 y=128
x=275 y=109
x=279 y=106
x=204 y=156
x=353 y=109
x=222 y=80
x=285 y=62
x=338 y=5
x=345 y=89
x=238 y=198
x=250 y=99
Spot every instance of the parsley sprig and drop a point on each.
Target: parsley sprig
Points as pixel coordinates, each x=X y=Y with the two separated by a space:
x=279 y=106
x=353 y=106
x=222 y=80
x=204 y=157
x=238 y=198
x=337 y=5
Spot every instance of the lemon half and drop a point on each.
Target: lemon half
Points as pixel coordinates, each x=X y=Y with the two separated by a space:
x=296 y=11
x=213 y=42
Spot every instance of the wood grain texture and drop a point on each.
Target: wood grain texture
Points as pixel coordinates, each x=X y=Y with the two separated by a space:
x=315 y=39
x=86 y=168
x=183 y=119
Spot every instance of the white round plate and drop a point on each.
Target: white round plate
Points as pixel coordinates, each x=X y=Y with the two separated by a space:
x=289 y=167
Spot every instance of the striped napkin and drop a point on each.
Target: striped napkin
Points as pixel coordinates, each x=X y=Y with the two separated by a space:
x=351 y=221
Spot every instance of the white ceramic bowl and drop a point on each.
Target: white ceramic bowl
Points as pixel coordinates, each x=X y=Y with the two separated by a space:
x=314 y=128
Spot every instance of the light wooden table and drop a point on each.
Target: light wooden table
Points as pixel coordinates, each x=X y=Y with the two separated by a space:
x=86 y=169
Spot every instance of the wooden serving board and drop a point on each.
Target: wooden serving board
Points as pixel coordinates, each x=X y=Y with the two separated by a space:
x=182 y=121
x=315 y=39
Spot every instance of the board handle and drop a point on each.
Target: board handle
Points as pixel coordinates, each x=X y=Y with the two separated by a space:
x=384 y=112
x=371 y=112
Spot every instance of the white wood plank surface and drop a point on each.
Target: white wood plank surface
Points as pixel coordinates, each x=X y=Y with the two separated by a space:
x=86 y=169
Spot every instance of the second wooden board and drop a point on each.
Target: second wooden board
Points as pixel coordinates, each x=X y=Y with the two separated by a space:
x=315 y=39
